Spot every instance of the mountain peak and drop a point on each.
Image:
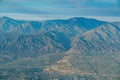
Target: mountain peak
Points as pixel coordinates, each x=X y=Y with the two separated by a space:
x=83 y=19
x=77 y=18
x=6 y=18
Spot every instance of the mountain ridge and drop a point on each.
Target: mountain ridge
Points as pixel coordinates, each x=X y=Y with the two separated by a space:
x=62 y=32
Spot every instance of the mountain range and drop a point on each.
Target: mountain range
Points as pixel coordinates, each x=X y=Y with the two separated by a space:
x=31 y=38
x=64 y=46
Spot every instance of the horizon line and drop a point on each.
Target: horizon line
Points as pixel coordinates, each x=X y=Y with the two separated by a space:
x=42 y=18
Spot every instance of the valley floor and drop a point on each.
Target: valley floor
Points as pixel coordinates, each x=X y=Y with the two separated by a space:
x=73 y=66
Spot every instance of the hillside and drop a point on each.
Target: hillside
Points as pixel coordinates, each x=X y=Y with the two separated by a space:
x=105 y=38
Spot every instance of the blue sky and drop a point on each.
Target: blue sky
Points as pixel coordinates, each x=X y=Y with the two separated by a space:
x=53 y=9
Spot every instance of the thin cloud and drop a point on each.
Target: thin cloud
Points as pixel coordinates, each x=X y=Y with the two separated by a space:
x=61 y=7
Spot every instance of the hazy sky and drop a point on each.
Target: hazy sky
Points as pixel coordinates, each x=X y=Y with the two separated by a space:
x=50 y=9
